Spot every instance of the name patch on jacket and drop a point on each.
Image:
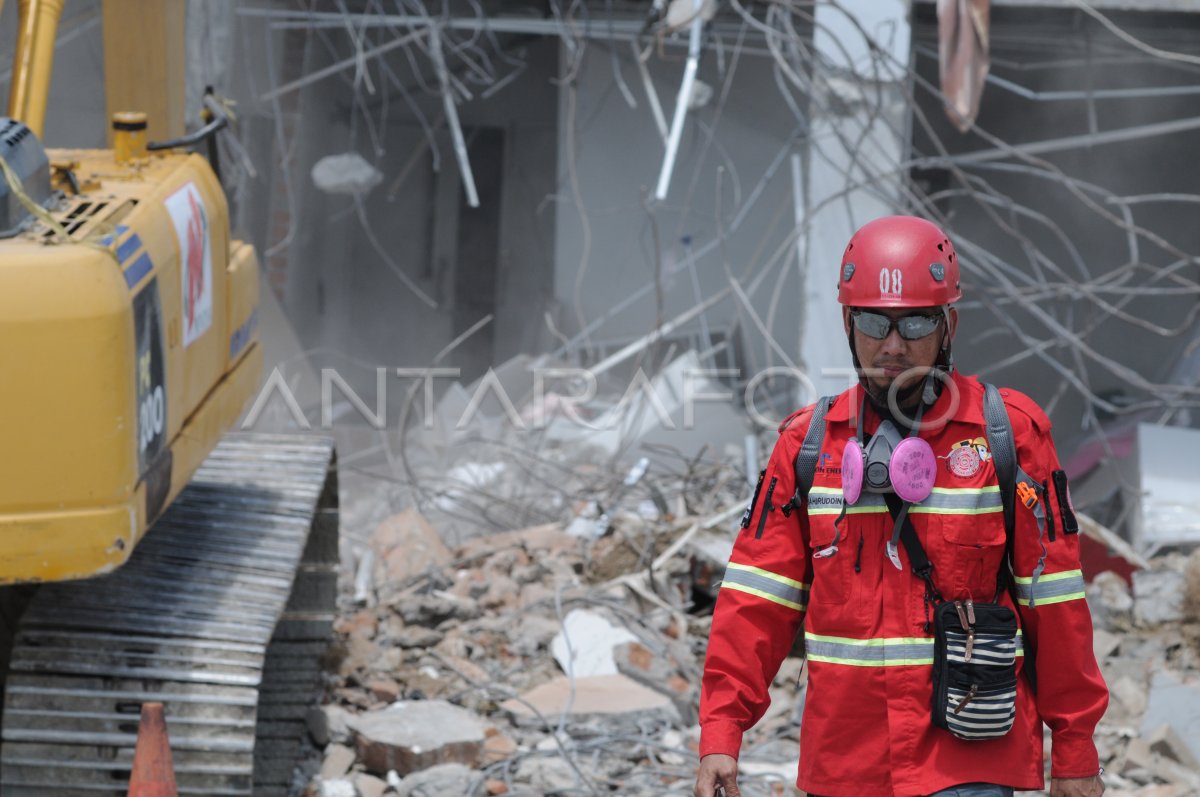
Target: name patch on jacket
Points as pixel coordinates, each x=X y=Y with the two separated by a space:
x=824 y=501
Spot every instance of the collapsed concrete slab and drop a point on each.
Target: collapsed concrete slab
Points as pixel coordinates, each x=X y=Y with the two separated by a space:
x=337 y=762
x=438 y=781
x=411 y=735
x=584 y=647
x=1111 y=604
x=595 y=697
x=406 y=545
x=1158 y=596
x=1174 y=701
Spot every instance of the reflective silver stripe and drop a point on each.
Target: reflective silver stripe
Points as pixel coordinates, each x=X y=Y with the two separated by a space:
x=960 y=501
x=879 y=652
x=942 y=501
x=765 y=584
x=886 y=652
x=1051 y=588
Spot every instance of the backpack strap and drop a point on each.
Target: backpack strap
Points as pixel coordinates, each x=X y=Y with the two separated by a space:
x=1004 y=457
x=1004 y=453
x=810 y=449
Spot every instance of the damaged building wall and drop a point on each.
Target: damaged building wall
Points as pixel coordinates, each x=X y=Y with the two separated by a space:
x=1085 y=237
x=613 y=239
x=1059 y=220
x=341 y=287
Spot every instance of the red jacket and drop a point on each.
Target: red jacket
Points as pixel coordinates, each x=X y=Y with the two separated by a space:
x=866 y=728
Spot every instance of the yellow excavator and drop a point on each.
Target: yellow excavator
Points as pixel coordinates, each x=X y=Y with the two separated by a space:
x=149 y=555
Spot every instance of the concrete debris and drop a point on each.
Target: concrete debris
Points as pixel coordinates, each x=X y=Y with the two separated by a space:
x=585 y=645
x=438 y=781
x=347 y=173
x=1174 y=701
x=478 y=633
x=1112 y=605
x=548 y=774
x=337 y=788
x=1104 y=644
x=467 y=479
x=405 y=545
x=584 y=699
x=412 y=735
x=338 y=760
x=369 y=786
x=1167 y=742
x=1158 y=594
x=1127 y=698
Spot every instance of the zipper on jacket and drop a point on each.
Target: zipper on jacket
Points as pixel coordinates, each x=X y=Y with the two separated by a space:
x=767 y=508
x=858 y=555
x=753 y=500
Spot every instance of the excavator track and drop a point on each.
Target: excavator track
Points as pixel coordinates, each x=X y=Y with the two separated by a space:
x=222 y=613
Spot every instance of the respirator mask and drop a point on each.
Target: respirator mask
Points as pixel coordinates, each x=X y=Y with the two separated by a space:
x=889 y=463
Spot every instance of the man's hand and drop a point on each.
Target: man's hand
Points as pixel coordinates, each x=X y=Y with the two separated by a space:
x=719 y=772
x=1068 y=787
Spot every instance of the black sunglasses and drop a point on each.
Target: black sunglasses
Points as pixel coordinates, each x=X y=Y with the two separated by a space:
x=879 y=326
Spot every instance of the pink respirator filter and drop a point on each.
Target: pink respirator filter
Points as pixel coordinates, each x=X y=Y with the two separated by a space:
x=852 y=472
x=912 y=469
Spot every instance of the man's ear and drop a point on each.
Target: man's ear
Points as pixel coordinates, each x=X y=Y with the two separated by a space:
x=951 y=324
x=846 y=320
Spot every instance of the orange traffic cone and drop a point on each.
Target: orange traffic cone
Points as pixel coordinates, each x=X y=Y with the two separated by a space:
x=153 y=775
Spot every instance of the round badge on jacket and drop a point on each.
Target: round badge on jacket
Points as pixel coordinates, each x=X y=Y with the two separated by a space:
x=966 y=457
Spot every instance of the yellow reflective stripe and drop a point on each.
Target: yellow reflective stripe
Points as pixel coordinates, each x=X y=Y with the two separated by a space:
x=1050 y=588
x=762 y=594
x=828 y=501
x=767 y=585
x=876 y=642
x=866 y=663
x=791 y=582
x=879 y=652
x=1050 y=577
x=995 y=488
x=917 y=509
x=1073 y=596
x=966 y=501
x=851 y=510
x=960 y=501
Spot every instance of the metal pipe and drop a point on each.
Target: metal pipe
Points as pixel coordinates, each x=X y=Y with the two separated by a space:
x=1060 y=144
x=456 y=134
x=618 y=29
x=333 y=69
x=681 y=103
x=33 y=60
x=660 y=121
x=641 y=343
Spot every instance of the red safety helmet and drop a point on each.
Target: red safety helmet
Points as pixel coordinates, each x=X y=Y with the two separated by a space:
x=899 y=261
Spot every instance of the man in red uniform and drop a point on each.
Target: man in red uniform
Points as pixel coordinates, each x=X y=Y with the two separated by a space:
x=822 y=562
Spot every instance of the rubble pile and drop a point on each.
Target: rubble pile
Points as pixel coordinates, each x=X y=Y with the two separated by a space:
x=1147 y=641
x=560 y=658
x=533 y=662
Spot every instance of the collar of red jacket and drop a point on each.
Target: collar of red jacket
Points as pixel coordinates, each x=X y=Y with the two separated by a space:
x=962 y=400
